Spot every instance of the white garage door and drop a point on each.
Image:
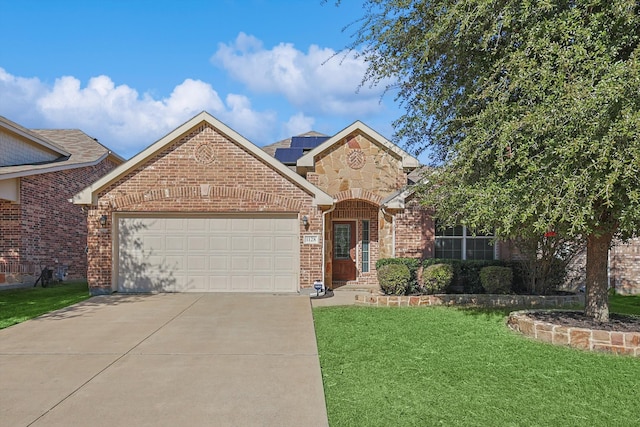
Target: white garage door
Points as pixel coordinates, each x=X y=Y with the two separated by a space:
x=208 y=254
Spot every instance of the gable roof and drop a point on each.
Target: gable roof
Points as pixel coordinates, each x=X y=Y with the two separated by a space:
x=408 y=161
x=71 y=148
x=89 y=194
x=31 y=137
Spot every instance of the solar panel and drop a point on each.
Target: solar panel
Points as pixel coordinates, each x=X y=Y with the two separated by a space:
x=307 y=142
x=288 y=156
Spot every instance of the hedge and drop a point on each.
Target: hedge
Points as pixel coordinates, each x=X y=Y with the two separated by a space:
x=413 y=264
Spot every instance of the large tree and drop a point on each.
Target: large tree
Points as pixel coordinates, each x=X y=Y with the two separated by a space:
x=532 y=108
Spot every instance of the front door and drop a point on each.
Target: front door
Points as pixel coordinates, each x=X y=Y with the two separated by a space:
x=344 y=250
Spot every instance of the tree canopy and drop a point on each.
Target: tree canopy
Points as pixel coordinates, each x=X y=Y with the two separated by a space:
x=532 y=108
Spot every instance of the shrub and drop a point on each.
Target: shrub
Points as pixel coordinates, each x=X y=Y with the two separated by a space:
x=394 y=279
x=466 y=273
x=437 y=277
x=496 y=280
x=413 y=264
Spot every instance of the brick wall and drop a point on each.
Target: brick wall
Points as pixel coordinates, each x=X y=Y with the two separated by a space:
x=415 y=232
x=624 y=263
x=179 y=179
x=357 y=211
x=45 y=226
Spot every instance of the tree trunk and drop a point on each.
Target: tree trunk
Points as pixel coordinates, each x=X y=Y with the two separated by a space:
x=597 y=301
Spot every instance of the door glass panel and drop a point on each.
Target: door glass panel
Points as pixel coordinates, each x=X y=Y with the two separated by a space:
x=342 y=240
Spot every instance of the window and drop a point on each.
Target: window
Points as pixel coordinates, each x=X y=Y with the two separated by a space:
x=462 y=243
x=342 y=236
x=365 y=246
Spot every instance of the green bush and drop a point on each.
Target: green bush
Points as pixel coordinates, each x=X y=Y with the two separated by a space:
x=413 y=264
x=394 y=279
x=436 y=278
x=496 y=280
x=466 y=273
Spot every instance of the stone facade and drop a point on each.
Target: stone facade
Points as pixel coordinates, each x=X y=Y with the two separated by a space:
x=359 y=172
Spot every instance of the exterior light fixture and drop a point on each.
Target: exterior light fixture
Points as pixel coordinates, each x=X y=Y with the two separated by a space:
x=103 y=220
x=305 y=221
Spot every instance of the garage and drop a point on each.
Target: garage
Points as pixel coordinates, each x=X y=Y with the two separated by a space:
x=196 y=253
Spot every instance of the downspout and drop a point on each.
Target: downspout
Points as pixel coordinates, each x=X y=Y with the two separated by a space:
x=324 y=249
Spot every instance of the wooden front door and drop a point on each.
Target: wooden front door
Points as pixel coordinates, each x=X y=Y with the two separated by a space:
x=344 y=250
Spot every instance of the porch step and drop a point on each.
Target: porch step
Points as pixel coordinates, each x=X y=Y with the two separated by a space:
x=346 y=286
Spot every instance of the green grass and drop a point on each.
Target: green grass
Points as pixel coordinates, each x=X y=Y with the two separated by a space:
x=624 y=304
x=453 y=367
x=18 y=305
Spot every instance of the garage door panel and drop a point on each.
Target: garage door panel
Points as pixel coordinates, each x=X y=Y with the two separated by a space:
x=175 y=243
x=262 y=263
x=241 y=282
x=283 y=282
x=241 y=243
x=197 y=243
x=285 y=244
x=153 y=242
x=197 y=224
x=263 y=243
x=219 y=263
x=219 y=283
x=263 y=283
x=283 y=264
x=241 y=264
x=220 y=243
x=197 y=263
x=216 y=254
x=219 y=224
x=241 y=224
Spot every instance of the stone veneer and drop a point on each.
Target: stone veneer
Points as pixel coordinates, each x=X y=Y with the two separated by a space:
x=580 y=338
x=483 y=300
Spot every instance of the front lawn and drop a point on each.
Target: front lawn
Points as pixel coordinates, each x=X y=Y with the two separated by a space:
x=18 y=305
x=455 y=367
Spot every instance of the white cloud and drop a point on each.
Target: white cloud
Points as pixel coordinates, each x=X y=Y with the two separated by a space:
x=318 y=81
x=249 y=123
x=18 y=95
x=298 y=124
x=118 y=115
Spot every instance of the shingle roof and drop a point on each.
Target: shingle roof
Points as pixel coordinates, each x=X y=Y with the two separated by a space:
x=6 y=123
x=286 y=143
x=82 y=151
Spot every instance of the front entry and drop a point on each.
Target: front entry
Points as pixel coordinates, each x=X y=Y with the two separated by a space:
x=344 y=250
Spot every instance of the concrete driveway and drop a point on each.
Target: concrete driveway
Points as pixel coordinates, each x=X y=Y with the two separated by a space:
x=165 y=360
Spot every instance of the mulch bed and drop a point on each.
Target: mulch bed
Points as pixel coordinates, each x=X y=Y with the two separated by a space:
x=576 y=319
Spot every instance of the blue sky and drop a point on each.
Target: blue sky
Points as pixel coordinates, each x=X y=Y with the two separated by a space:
x=129 y=71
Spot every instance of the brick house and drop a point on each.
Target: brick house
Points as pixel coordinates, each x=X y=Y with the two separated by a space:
x=205 y=210
x=40 y=171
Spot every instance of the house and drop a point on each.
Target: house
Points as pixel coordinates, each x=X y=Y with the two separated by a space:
x=205 y=210
x=40 y=170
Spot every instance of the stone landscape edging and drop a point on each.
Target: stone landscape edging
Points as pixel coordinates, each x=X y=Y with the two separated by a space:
x=581 y=338
x=482 y=300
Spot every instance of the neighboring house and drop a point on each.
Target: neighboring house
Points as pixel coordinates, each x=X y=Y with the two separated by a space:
x=624 y=267
x=40 y=171
x=205 y=210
